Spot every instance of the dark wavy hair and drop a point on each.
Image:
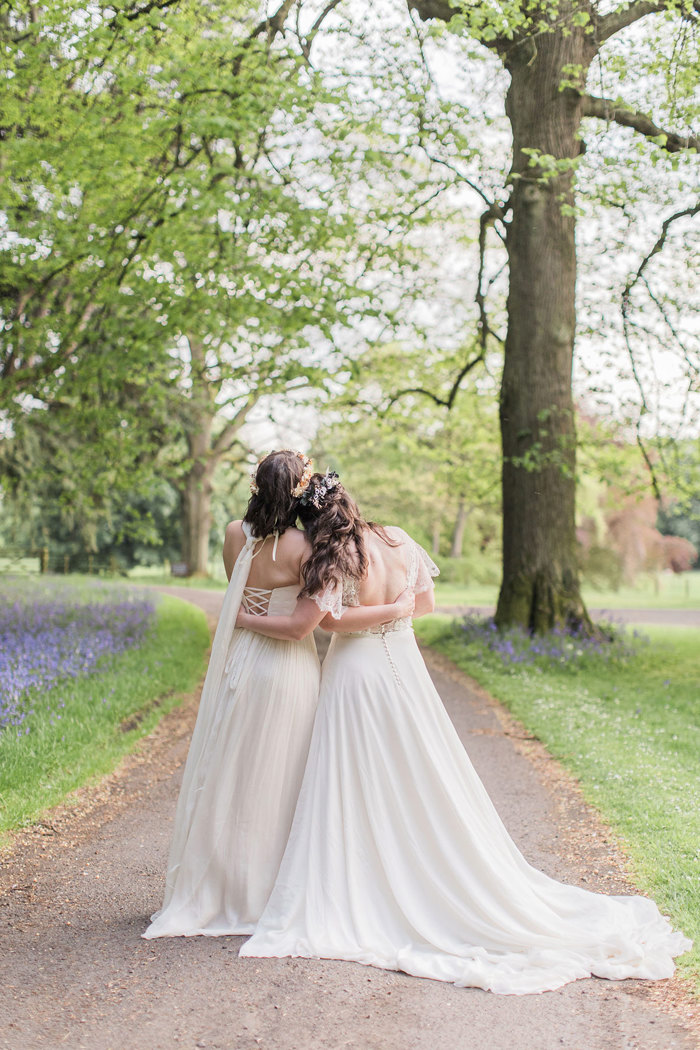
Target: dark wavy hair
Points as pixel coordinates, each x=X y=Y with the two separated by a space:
x=336 y=531
x=273 y=508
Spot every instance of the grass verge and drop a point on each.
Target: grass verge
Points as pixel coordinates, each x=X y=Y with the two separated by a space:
x=630 y=734
x=105 y=713
x=665 y=592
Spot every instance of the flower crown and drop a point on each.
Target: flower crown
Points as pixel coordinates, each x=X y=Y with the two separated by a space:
x=303 y=480
x=316 y=494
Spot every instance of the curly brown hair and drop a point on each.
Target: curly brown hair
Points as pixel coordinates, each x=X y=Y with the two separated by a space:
x=336 y=531
x=273 y=508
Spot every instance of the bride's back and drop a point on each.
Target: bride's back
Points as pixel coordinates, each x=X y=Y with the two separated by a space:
x=386 y=575
x=266 y=571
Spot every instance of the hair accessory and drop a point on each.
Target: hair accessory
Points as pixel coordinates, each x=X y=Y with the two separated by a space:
x=305 y=478
x=303 y=481
x=254 y=476
x=317 y=493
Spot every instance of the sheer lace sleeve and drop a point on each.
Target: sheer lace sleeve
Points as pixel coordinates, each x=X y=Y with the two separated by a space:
x=330 y=600
x=424 y=569
x=420 y=567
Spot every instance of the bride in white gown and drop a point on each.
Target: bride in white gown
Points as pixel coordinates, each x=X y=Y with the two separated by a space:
x=396 y=856
x=251 y=738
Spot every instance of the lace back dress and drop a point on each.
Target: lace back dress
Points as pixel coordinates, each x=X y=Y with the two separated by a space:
x=243 y=771
x=397 y=857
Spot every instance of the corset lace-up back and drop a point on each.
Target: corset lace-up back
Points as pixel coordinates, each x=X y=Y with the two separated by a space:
x=256 y=600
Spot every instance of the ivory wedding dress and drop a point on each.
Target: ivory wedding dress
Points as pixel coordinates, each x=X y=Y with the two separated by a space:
x=243 y=770
x=398 y=859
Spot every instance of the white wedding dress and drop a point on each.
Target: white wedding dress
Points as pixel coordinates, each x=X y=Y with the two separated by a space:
x=398 y=859
x=243 y=771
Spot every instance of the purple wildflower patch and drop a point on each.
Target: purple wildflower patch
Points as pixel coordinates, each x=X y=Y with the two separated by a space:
x=565 y=648
x=51 y=632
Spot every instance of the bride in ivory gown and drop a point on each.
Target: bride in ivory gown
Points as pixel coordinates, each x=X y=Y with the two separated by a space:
x=251 y=738
x=396 y=857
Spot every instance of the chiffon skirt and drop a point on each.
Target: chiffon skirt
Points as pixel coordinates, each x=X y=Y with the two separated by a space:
x=240 y=787
x=398 y=859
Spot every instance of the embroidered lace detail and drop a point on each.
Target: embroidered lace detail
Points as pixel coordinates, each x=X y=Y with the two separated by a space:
x=330 y=600
x=406 y=624
x=256 y=600
x=351 y=591
x=351 y=598
x=425 y=568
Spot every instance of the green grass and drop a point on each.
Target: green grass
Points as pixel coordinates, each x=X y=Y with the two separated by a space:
x=465 y=593
x=39 y=769
x=28 y=565
x=663 y=592
x=630 y=734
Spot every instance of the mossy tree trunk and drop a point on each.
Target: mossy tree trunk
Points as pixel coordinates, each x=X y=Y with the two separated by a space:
x=540 y=583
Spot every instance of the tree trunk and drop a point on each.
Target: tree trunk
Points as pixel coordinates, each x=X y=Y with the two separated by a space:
x=540 y=586
x=196 y=500
x=196 y=521
x=458 y=531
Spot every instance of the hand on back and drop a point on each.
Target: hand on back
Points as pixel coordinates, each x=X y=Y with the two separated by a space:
x=405 y=603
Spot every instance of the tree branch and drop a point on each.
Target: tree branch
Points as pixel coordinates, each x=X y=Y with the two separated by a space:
x=433 y=9
x=446 y=402
x=625 y=16
x=444 y=10
x=228 y=435
x=487 y=218
x=138 y=10
x=130 y=14
x=309 y=38
x=275 y=23
x=627 y=325
x=377 y=245
x=607 y=109
x=498 y=213
x=268 y=27
x=690 y=212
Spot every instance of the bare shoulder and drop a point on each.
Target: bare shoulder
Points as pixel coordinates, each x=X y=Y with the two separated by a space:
x=396 y=533
x=386 y=548
x=234 y=541
x=294 y=541
x=294 y=548
x=234 y=532
x=234 y=538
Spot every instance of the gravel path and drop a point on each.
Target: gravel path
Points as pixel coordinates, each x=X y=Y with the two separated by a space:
x=77 y=891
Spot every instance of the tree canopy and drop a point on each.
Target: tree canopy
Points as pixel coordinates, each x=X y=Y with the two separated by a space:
x=208 y=206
